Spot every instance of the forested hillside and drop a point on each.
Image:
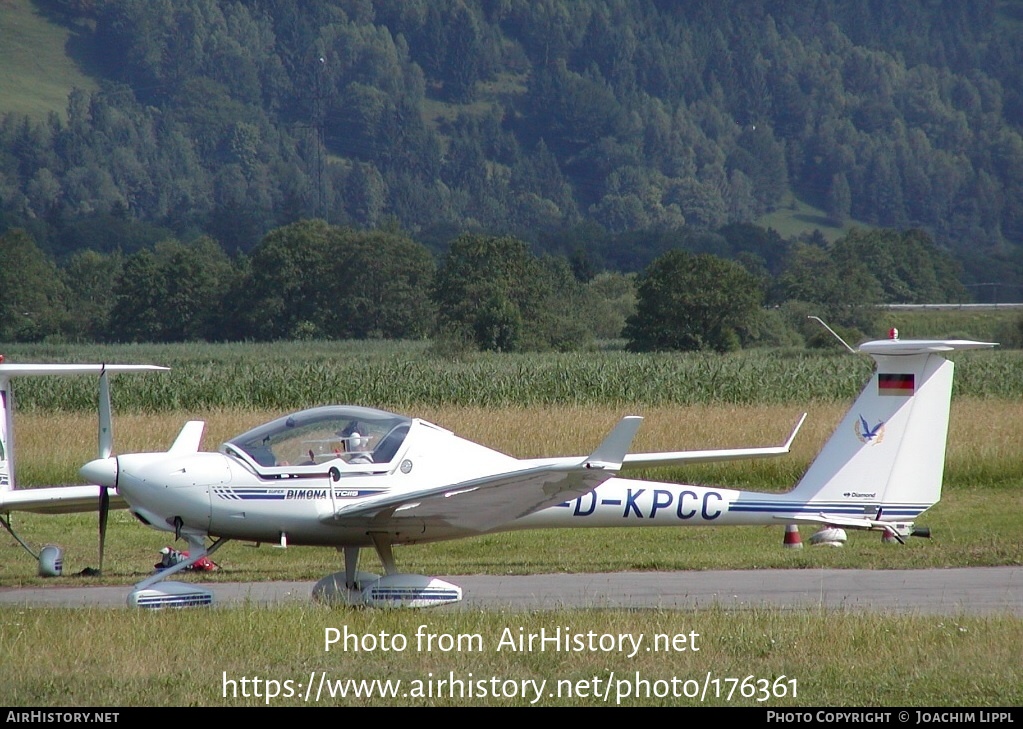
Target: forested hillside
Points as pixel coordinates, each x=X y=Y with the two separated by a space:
x=605 y=131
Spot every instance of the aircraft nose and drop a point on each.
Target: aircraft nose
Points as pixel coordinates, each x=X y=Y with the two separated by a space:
x=102 y=471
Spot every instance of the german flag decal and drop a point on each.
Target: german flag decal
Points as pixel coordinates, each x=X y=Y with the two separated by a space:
x=898 y=385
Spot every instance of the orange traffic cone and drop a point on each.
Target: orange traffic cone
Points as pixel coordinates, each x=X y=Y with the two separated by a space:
x=792 y=538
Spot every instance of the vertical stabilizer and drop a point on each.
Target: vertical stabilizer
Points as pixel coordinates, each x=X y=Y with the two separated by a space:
x=888 y=452
x=6 y=435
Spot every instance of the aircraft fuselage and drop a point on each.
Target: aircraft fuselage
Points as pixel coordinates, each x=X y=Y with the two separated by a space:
x=217 y=494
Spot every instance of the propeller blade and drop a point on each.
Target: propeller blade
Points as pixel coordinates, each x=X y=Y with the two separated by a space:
x=106 y=433
x=104 y=512
x=106 y=445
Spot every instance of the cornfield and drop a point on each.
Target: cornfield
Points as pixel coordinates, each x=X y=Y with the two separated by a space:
x=401 y=376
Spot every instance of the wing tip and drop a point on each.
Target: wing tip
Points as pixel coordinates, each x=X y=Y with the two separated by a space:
x=610 y=454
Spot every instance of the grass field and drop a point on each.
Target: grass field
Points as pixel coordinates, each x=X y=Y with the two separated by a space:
x=774 y=658
x=36 y=73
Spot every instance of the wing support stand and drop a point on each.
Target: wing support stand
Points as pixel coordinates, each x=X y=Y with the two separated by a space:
x=177 y=594
x=6 y=523
x=352 y=588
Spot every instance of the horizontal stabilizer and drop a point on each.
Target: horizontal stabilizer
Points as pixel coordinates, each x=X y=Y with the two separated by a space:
x=920 y=346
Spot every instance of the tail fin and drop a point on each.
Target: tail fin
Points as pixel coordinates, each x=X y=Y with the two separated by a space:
x=886 y=459
x=6 y=434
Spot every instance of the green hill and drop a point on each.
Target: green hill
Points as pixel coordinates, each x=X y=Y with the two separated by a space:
x=36 y=74
x=795 y=217
x=565 y=124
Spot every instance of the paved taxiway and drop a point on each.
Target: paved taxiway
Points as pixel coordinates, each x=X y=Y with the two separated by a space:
x=975 y=591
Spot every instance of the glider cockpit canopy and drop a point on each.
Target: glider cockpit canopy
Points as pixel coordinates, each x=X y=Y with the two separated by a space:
x=315 y=436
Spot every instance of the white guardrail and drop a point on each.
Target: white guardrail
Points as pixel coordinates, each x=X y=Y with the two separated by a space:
x=950 y=307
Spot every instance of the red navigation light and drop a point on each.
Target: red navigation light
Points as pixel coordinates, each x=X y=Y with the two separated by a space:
x=893 y=333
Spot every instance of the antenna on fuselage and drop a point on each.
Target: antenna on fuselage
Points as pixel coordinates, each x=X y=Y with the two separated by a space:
x=833 y=333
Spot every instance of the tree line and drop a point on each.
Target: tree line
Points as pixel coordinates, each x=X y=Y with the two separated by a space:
x=315 y=280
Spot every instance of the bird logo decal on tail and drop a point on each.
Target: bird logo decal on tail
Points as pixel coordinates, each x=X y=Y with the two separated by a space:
x=869 y=435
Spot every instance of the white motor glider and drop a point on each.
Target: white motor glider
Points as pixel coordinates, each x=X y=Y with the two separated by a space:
x=352 y=477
